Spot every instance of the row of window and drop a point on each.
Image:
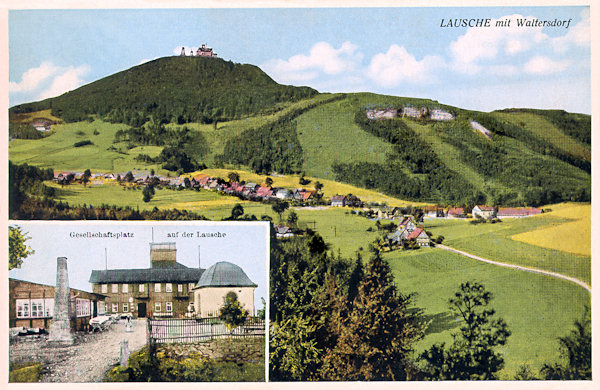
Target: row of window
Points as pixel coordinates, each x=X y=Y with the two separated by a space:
x=142 y=287
x=44 y=307
x=157 y=307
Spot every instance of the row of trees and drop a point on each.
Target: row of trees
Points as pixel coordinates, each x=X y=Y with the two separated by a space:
x=337 y=319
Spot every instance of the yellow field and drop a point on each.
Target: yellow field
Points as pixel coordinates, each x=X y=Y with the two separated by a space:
x=572 y=237
x=330 y=188
x=30 y=116
x=203 y=204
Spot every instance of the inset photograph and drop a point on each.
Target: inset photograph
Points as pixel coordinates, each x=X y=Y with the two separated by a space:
x=137 y=302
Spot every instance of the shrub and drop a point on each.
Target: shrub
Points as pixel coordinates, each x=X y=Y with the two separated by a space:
x=83 y=143
x=25 y=372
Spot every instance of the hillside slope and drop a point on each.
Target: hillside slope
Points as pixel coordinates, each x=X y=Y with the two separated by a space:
x=174 y=89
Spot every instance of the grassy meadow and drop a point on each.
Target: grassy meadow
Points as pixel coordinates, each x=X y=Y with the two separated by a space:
x=495 y=242
x=572 y=237
x=538 y=309
x=542 y=128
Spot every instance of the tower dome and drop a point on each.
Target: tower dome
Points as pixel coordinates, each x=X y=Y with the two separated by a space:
x=225 y=274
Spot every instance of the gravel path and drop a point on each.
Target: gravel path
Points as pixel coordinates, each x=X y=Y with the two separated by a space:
x=520 y=267
x=85 y=361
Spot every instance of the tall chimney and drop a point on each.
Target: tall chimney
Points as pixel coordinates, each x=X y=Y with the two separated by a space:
x=60 y=331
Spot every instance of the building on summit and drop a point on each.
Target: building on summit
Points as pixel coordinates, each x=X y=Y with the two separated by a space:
x=170 y=289
x=202 y=51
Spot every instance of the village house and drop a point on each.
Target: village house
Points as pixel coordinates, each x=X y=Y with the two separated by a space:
x=419 y=236
x=433 y=212
x=484 y=212
x=282 y=231
x=406 y=227
x=31 y=305
x=456 y=212
x=338 y=201
x=166 y=289
x=521 y=212
x=41 y=125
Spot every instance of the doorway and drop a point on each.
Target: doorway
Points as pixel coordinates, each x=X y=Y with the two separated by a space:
x=141 y=309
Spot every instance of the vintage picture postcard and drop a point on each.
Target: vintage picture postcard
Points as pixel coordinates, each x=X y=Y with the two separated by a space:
x=422 y=176
x=110 y=302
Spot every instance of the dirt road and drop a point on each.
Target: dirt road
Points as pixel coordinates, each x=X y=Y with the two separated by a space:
x=520 y=267
x=85 y=361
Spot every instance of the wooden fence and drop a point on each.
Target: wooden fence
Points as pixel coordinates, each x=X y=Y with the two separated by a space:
x=189 y=330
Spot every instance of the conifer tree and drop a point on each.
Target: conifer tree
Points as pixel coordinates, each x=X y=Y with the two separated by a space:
x=377 y=338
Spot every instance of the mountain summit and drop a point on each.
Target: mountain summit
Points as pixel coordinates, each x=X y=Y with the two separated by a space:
x=174 y=89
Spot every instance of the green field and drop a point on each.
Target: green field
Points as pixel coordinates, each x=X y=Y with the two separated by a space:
x=321 y=131
x=492 y=241
x=537 y=309
x=541 y=127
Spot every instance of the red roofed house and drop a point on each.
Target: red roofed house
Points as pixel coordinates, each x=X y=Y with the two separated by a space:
x=520 y=212
x=457 y=212
x=264 y=192
x=406 y=227
x=483 y=211
x=338 y=201
x=420 y=236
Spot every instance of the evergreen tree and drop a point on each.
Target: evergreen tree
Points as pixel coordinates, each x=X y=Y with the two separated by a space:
x=148 y=194
x=472 y=355
x=377 y=338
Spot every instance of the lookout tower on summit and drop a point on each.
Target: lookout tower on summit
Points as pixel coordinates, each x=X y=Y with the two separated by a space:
x=202 y=51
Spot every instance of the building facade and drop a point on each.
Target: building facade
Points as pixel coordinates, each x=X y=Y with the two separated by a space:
x=219 y=280
x=31 y=305
x=170 y=289
x=163 y=290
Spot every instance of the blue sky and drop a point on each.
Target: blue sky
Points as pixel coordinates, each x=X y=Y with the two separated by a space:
x=244 y=244
x=395 y=51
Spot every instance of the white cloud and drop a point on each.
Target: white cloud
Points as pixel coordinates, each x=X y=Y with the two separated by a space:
x=323 y=58
x=486 y=43
x=579 y=34
x=33 y=77
x=67 y=79
x=543 y=65
x=397 y=65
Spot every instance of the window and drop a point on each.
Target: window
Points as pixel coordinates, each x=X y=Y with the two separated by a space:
x=101 y=308
x=141 y=288
x=180 y=288
x=191 y=286
x=157 y=307
x=104 y=288
x=125 y=288
x=37 y=308
x=115 y=308
x=125 y=308
x=169 y=307
x=115 y=288
x=168 y=287
x=82 y=307
x=22 y=308
x=156 y=287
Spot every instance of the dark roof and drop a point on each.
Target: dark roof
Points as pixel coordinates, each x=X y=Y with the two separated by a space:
x=172 y=273
x=225 y=274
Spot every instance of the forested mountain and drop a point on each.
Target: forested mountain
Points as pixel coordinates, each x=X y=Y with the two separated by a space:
x=412 y=149
x=174 y=89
